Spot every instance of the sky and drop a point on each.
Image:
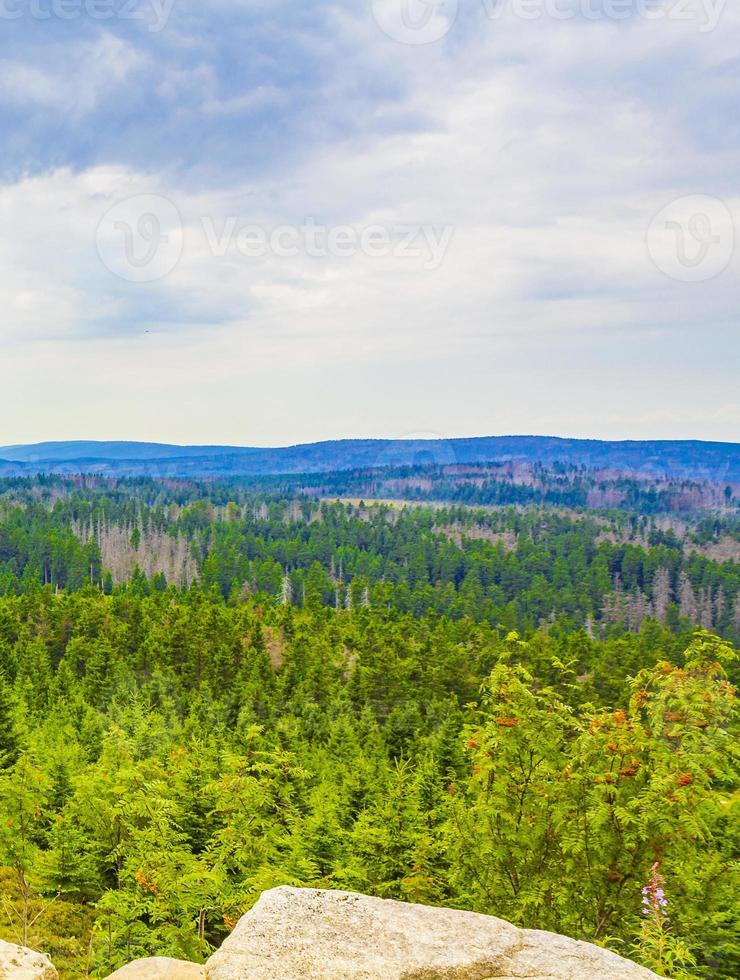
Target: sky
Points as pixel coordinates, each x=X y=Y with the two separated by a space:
x=262 y=222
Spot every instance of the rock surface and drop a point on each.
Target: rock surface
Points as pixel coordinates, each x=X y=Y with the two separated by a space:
x=159 y=968
x=304 y=934
x=19 y=963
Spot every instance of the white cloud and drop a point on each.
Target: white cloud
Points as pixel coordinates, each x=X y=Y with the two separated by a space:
x=542 y=143
x=74 y=78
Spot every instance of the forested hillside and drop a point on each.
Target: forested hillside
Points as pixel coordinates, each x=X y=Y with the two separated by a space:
x=514 y=568
x=522 y=484
x=207 y=690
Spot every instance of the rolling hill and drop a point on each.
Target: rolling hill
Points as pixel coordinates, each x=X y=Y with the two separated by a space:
x=681 y=459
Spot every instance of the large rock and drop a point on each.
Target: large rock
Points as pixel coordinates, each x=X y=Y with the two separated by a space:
x=19 y=963
x=159 y=968
x=303 y=934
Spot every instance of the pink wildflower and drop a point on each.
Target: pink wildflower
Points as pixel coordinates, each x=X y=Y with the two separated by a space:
x=654 y=901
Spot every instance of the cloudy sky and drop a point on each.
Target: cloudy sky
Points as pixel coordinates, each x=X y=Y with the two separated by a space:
x=264 y=222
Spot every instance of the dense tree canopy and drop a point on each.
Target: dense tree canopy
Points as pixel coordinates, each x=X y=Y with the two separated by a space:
x=511 y=712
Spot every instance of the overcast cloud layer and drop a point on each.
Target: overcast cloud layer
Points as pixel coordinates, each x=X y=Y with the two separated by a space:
x=515 y=260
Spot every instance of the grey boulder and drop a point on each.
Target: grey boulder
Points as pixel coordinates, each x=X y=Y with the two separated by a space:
x=20 y=963
x=305 y=934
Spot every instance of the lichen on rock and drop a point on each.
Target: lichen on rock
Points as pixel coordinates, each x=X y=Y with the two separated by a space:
x=306 y=934
x=20 y=963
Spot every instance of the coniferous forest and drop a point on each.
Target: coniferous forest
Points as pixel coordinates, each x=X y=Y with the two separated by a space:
x=369 y=490
x=211 y=688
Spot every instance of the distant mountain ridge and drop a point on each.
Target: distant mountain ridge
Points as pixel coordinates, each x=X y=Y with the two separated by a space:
x=682 y=459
